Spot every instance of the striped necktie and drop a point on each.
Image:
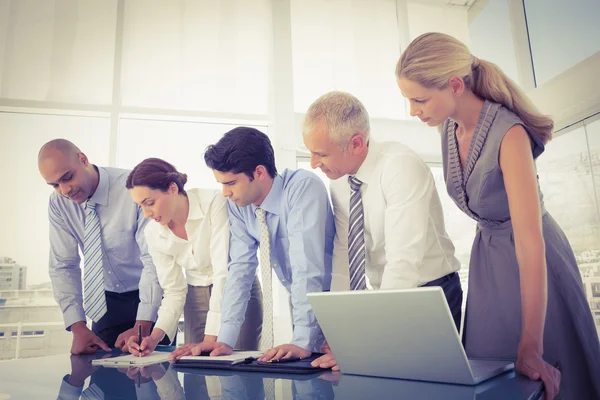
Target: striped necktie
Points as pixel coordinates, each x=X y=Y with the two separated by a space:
x=266 y=340
x=356 y=237
x=94 y=300
x=269 y=387
x=93 y=392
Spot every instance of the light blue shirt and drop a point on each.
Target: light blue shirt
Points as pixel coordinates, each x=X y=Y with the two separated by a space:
x=301 y=230
x=126 y=262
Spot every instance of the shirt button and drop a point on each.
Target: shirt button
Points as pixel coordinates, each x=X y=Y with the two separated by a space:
x=275 y=265
x=118 y=285
x=109 y=272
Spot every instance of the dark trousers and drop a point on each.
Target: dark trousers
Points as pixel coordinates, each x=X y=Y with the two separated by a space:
x=120 y=315
x=452 y=288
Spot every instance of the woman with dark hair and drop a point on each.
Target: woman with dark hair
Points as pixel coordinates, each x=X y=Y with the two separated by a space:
x=188 y=239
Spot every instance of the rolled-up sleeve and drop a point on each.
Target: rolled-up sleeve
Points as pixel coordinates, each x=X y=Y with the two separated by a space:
x=242 y=269
x=65 y=272
x=307 y=220
x=173 y=283
x=150 y=289
x=219 y=256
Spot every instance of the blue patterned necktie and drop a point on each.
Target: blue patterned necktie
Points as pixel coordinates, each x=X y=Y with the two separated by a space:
x=94 y=300
x=356 y=237
x=266 y=340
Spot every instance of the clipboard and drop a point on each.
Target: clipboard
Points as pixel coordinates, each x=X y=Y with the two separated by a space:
x=249 y=363
x=129 y=360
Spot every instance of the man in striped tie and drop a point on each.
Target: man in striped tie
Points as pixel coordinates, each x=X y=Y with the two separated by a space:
x=91 y=210
x=390 y=231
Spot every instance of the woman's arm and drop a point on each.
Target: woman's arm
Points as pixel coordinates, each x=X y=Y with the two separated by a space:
x=520 y=180
x=518 y=168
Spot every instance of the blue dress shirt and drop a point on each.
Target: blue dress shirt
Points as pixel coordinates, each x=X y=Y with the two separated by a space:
x=126 y=262
x=301 y=229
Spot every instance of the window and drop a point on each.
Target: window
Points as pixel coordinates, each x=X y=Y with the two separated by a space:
x=32 y=333
x=492 y=37
x=184 y=148
x=348 y=45
x=569 y=174
x=198 y=55
x=595 y=290
x=59 y=51
x=556 y=50
x=22 y=136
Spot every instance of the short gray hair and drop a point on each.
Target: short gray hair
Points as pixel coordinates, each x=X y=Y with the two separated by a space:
x=343 y=114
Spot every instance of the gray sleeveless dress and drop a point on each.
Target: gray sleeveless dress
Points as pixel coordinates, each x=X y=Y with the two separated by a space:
x=493 y=315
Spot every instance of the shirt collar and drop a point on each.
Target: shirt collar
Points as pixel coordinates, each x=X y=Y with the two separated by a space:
x=272 y=201
x=365 y=171
x=195 y=211
x=100 y=196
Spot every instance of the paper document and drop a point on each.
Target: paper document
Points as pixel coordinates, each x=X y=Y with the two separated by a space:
x=236 y=356
x=130 y=360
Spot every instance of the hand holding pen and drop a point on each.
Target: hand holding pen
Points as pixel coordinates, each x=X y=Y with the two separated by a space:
x=140 y=346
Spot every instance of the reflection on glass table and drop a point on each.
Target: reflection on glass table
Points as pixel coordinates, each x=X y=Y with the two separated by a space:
x=73 y=377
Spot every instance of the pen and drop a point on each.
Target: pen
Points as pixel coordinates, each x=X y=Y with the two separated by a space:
x=140 y=339
x=247 y=360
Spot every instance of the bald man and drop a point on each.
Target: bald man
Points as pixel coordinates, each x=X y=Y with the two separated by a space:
x=120 y=288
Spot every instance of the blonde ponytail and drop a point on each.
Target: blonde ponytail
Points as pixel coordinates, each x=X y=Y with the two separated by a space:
x=433 y=58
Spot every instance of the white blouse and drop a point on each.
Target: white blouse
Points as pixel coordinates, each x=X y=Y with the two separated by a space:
x=199 y=261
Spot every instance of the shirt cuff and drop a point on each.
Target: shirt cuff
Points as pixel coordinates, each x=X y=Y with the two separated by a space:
x=213 y=323
x=72 y=314
x=168 y=327
x=147 y=312
x=310 y=339
x=68 y=391
x=229 y=334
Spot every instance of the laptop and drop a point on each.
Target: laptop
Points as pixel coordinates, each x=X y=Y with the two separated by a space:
x=406 y=334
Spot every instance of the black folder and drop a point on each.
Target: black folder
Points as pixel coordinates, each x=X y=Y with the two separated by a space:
x=252 y=365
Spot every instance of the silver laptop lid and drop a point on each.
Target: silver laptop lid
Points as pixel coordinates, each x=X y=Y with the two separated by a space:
x=406 y=334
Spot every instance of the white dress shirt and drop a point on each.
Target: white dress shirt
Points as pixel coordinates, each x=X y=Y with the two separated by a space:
x=203 y=258
x=406 y=243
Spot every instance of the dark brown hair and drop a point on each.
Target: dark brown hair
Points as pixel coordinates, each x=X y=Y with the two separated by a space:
x=156 y=174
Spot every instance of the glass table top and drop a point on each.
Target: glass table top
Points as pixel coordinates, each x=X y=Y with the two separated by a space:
x=74 y=377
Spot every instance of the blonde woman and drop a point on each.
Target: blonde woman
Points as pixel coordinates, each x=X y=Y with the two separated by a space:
x=188 y=239
x=525 y=299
